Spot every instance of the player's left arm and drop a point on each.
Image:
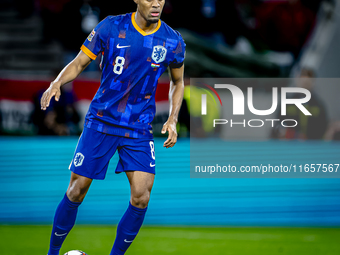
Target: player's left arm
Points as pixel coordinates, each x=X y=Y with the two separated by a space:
x=175 y=99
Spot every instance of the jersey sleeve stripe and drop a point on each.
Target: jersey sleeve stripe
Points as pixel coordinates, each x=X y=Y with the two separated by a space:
x=88 y=52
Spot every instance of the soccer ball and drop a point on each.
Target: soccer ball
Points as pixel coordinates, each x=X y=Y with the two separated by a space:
x=75 y=252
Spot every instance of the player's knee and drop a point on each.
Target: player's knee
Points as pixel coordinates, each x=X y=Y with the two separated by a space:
x=76 y=194
x=140 y=200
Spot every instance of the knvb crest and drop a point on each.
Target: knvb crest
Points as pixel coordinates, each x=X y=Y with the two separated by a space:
x=159 y=54
x=78 y=159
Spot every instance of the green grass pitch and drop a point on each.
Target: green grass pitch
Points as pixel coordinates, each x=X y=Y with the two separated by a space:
x=98 y=240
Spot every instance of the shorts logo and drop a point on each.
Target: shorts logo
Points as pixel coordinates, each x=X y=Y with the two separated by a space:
x=159 y=54
x=78 y=159
x=91 y=35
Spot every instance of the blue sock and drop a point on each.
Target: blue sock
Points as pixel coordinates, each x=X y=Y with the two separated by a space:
x=127 y=229
x=64 y=220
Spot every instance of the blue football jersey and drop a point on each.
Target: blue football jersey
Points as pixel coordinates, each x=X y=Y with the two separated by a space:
x=132 y=62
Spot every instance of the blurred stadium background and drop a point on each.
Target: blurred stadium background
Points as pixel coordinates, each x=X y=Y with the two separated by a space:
x=234 y=39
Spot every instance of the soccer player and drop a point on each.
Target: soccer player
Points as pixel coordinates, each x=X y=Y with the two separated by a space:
x=136 y=48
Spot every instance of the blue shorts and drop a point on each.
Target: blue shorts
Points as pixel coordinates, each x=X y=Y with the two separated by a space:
x=95 y=149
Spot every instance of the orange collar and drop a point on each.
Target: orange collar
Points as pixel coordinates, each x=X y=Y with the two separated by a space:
x=141 y=30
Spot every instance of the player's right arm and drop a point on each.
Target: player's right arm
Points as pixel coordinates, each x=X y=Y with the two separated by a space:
x=69 y=73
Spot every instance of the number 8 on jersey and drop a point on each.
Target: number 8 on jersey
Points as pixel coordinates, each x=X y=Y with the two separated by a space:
x=119 y=63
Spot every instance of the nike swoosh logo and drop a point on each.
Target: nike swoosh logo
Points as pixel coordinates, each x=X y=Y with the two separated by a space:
x=152 y=165
x=60 y=234
x=128 y=241
x=120 y=47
